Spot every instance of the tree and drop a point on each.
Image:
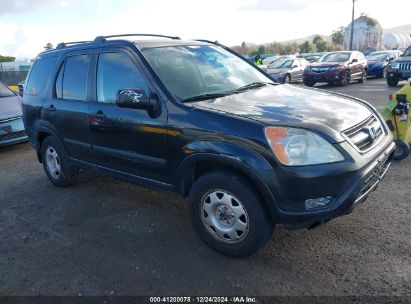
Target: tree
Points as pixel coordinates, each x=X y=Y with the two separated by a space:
x=7 y=59
x=307 y=47
x=48 y=46
x=337 y=36
x=317 y=39
x=323 y=46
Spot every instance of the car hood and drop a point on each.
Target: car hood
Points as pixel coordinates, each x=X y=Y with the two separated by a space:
x=326 y=64
x=292 y=105
x=279 y=70
x=10 y=107
x=371 y=62
x=404 y=59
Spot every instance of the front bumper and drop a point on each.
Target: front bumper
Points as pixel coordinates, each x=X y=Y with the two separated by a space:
x=375 y=70
x=348 y=183
x=398 y=74
x=12 y=131
x=329 y=76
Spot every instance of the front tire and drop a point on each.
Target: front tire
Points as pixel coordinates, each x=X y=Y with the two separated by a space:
x=287 y=78
x=402 y=150
x=56 y=164
x=392 y=81
x=308 y=83
x=227 y=213
x=345 y=80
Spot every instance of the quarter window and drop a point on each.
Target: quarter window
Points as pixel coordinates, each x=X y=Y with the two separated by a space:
x=116 y=71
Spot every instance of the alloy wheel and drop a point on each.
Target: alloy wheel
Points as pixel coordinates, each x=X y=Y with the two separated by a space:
x=53 y=162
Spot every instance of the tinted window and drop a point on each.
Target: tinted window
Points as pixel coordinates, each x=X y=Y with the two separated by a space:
x=115 y=72
x=75 y=77
x=39 y=73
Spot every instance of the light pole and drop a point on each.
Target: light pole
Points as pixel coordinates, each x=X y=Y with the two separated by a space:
x=352 y=26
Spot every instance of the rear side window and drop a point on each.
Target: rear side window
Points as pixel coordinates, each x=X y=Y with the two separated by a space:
x=39 y=75
x=72 y=79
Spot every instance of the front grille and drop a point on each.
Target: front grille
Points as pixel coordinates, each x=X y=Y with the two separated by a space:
x=405 y=66
x=319 y=70
x=375 y=177
x=366 y=134
x=9 y=136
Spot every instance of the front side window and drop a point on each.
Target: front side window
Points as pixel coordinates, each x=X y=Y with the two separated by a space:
x=5 y=91
x=116 y=71
x=192 y=70
x=72 y=79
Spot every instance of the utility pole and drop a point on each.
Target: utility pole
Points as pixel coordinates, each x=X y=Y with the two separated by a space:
x=352 y=26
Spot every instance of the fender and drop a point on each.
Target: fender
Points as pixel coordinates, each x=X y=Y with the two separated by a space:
x=228 y=155
x=44 y=126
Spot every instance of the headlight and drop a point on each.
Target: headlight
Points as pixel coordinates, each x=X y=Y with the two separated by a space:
x=395 y=65
x=299 y=147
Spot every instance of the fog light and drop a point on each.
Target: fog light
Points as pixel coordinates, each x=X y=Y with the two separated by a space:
x=318 y=202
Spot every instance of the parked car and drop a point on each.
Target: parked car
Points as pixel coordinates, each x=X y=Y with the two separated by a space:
x=400 y=68
x=378 y=62
x=287 y=70
x=248 y=153
x=337 y=68
x=11 y=122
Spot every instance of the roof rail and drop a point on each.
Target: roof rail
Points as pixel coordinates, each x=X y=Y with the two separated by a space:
x=208 y=41
x=101 y=39
x=64 y=44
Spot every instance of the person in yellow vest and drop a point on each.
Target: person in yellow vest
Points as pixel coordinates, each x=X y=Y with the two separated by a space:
x=258 y=60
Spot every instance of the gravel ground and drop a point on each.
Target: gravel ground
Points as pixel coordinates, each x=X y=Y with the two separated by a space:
x=107 y=237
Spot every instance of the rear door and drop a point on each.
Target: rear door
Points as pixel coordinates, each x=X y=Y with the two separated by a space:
x=130 y=141
x=67 y=110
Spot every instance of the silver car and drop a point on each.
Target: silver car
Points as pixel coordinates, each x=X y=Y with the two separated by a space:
x=287 y=70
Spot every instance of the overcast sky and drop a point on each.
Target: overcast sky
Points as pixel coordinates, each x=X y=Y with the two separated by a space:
x=27 y=25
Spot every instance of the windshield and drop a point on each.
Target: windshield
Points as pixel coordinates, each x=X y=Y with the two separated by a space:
x=189 y=71
x=407 y=52
x=280 y=64
x=377 y=56
x=270 y=60
x=5 y=91
x=335 y=57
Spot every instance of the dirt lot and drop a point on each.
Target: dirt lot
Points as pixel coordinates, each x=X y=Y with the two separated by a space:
x=106 y=237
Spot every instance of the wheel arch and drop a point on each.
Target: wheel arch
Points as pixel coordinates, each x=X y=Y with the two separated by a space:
x=199 y=164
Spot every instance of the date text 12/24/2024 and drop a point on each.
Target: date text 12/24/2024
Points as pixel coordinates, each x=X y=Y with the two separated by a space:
x=236 y=299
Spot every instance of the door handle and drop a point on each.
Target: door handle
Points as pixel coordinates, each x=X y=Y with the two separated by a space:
x=99 y=114
x=51 y=108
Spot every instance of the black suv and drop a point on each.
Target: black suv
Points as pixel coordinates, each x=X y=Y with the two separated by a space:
x=196 y=119
x=399 y=69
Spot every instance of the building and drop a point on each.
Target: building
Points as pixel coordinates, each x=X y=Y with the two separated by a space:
x=367 y=34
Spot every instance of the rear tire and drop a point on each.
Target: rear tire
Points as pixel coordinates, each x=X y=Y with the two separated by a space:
x=363 y=77
x=392 y=82
x=56 y=164
x=402 y=150
x=228 y=215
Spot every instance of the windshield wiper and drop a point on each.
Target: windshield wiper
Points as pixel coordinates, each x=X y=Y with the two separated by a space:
x=206 y=96
x=252 y=85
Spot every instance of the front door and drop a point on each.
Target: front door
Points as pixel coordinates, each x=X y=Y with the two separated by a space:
x=129 y=141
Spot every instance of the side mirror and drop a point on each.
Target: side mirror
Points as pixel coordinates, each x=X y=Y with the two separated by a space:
x=354 y=60
x=135 y=99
